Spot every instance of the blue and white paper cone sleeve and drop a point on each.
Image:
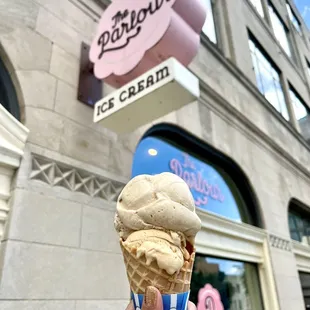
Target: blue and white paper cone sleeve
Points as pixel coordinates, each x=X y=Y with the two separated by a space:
x=170 y=302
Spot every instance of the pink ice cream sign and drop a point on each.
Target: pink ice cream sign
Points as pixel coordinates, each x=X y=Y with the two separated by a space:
x=209 y=299
x=134 y=36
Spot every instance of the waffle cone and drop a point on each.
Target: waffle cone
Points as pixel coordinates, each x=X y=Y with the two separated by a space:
x=141 y=276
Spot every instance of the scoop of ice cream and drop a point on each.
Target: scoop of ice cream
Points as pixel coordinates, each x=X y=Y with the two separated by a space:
x=162 y=202
x=162 y=247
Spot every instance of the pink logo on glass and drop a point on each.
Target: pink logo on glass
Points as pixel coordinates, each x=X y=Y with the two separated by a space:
x=209 y=299
x=134 y=36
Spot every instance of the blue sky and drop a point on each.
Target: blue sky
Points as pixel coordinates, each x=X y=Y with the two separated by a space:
x=304 y=8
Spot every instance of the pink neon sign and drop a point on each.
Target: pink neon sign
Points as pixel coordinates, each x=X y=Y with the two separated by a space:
x=136 y=35
x=209 y=299
x=195 y=181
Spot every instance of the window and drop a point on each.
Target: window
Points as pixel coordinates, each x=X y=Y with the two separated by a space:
x=224 y=275
x=293 y=18
x=212 y=186
x=308 y=66
x=299 y=222
x=259 y=7
x=268 y=78
x=279 y=30
x=301 y=113
x=209 y=26
x=8 y=96
x=305 y=281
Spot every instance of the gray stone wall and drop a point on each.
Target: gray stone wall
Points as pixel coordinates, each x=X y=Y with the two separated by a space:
x=60 y=250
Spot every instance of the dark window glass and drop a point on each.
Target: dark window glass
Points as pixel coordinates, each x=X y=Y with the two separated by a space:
x=279 y=29
x=301 y=113
x=299 y=222
x=268 y=79
x=305 y=285
x=236 y=282
x=294 y=20
x=8 y=96
x=212 y=188
x=308 y=66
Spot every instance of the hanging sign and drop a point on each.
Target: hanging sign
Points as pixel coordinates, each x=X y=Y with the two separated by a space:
x=134 y=36
x=166 y=88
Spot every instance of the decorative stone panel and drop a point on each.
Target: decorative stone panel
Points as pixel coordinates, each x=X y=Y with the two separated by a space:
x=73 y=179
x=280 y=243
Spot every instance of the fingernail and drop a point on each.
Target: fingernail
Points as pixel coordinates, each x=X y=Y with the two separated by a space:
x=150 y=297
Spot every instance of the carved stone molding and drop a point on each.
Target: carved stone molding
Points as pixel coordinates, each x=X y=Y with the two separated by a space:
x=13 y=136
x=73 y=179
x=280 y=243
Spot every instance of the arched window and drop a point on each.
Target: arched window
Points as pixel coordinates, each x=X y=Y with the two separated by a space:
x=8 y=96
x=217 y=183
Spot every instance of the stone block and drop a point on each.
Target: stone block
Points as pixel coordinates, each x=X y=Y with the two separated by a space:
x=67 y=104
x=102 y=304
x=120 y=160
x=289 y=287
x=46 y=127
x=44 y=219
x=73 y=15
x=35 y=271
x=37 y=305
x=38 y=88
x=19 y=46
x=64 y=66
x=85 y=144
x=284 y=263
x=188 y=113
x=98 y=232
x=58 y=32
x=18 y=14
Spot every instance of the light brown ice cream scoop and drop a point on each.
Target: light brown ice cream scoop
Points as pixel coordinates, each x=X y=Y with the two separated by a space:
x=162 y=201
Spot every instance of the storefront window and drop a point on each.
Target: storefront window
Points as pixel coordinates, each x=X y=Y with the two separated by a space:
x=209 y=26
x=268 y=78
x=212 y=188
x=236 y=282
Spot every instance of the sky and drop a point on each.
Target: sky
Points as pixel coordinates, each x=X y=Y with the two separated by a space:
x=304 y=8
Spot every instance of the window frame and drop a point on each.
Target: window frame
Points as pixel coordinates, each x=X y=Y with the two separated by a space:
x=286 y=30
x=299 y=209
x=259 y=47
x=256 y=9
x=292 y=15
x=215 y=24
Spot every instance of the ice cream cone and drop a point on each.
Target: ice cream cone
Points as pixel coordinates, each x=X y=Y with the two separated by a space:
x=141 y=275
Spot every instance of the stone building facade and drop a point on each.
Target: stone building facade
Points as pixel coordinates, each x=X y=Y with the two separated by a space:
x=61 y=173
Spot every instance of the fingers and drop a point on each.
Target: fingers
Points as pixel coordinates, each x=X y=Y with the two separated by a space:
x=152 y=299
x=191 y=306
x=130 y=306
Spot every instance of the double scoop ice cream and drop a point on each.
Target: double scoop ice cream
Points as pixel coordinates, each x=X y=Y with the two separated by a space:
x=157 y=225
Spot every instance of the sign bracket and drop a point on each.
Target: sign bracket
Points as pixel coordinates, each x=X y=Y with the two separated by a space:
x=90 y=89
